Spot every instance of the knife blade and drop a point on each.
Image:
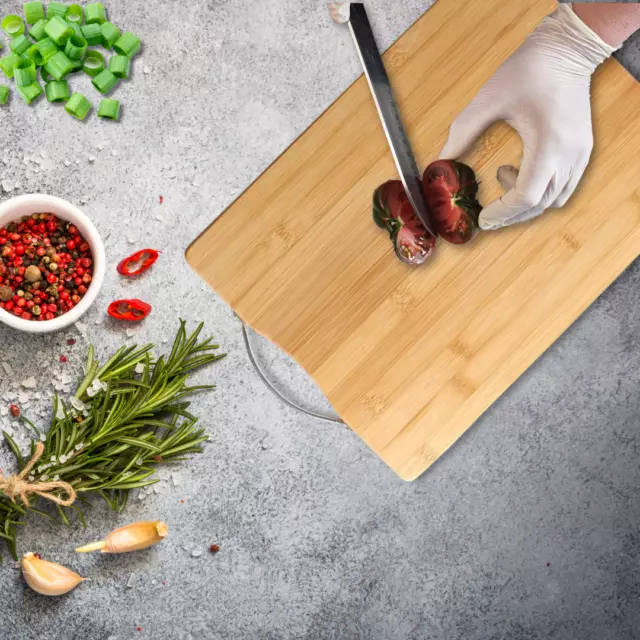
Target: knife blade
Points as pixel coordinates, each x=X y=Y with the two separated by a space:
x=355 y=15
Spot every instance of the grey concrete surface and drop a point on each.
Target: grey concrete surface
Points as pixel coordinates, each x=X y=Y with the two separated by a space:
x=526 y=529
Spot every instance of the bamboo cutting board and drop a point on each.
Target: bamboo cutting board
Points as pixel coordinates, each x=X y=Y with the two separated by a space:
x=410 y=358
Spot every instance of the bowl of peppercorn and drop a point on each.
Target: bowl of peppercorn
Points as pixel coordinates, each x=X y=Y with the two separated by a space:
x=52 y=263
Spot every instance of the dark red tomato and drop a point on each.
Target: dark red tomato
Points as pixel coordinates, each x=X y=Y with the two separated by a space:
x=451 y=191
x=392 y=211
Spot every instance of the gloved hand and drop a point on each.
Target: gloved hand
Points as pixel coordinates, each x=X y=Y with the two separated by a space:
x=542 y=91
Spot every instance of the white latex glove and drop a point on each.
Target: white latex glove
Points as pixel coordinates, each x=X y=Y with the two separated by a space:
x=542 y=91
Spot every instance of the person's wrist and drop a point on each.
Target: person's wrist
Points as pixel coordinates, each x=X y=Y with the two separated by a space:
x=613 y=22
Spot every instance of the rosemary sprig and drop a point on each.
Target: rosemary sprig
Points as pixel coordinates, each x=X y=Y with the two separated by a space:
x=126 y=416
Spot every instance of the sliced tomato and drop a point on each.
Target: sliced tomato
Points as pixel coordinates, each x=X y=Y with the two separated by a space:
x=392 y=211
x=451 y=191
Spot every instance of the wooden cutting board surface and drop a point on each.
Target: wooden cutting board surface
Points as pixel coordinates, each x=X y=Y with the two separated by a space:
x=410 y=358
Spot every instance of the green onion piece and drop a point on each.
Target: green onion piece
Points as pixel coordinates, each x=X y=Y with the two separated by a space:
x=46 y=76
x=59 y=66
x=127 y=44
x=6 y=64
x=77 y=29
x=4 y=94
x=58 y=30
x=120 y=66
x=57 y=91
x=77 y=66
x=37 y=31
x=30 y=92
x=56 y=9
x=24 y=72
x=76 y=48
x=110 y=34
x=109 y=109
x=33 y=12
x=78 y=106
x=74 y=14
x=95 y=14
x=13 y=26
x=20 y=44
x=92 y=34
x=104 y=81
x=93 y=63
x=41 y=52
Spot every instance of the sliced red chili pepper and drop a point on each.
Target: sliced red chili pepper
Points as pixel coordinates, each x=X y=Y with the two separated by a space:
x=138 y=263
x=131 y=310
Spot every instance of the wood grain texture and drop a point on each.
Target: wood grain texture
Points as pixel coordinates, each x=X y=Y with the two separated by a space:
x=410 y=358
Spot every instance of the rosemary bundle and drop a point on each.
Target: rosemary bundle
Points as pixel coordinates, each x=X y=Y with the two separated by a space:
x=126 y=416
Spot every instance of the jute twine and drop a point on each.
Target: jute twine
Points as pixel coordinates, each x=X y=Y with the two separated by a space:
x=17 y=487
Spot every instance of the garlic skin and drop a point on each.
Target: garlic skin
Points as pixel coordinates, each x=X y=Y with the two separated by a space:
x=133 y=537
x=48 y=578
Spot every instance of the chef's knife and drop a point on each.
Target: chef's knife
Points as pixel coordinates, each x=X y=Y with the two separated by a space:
x=355 y=15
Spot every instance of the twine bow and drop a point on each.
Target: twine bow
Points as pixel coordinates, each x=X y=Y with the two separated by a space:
x=17 y=487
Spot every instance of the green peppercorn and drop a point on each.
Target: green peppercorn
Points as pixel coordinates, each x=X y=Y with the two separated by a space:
x=36 y=310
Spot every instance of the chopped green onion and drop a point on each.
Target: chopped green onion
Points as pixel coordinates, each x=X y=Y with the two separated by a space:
x=4 y=94
x=57 y=91
x=76 y=48
x=20 y=44
x=33 y=12
x=92 y=34
x=58 y=30
x=77 y=66
x=30 y=92
x=6 y=64
x=93 y=63
x=120 y=66
x=24 y=72
x=110 y=34
x=74 y=14
x=104 y=81
x=127 y=44
x=59 y=66
x=37 y=31
x=46 y=76
x=13 y=26
x=77 y=29
x=78 y=106
x=41 y=52
x=95 y=13
x=109 y=109
x=56 y=9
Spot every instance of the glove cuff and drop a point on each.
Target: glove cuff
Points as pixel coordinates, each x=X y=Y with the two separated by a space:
x=584 y=40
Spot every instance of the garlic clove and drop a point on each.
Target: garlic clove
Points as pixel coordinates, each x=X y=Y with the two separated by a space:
x=48 y=578
x=133 y=537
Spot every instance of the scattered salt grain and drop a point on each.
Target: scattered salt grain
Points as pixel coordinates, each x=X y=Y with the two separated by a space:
x=56 y=478
x=67 y=163
x=133 y=579
x=91 y=158
x=114 y=152
x=7 y=369
x=77 y=404
x=139 y=368
x=79 y=446
x=29 y=383
x=196 y=553
x=23 y=398
x=7 y=185
x=176 y=479
x=147 y=70
x=43 y=437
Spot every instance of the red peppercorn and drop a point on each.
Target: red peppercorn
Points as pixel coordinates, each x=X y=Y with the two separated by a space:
x=86 y=262
x=49 y=316
x=15 y=410
x=63 y=358
x=82 y=289
x=64 y=295
x=51 y=278
x=71 y=245
x=73 y=230
x=84 y=247
x=19 y=249
x=52 y=307
x=51 y=226
x=71 y=341
x=40 y=251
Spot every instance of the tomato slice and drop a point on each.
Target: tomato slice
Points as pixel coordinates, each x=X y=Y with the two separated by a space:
x=392 y=211
x=450 y=188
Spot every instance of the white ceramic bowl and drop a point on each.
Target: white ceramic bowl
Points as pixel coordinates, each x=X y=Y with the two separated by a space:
x=27 y=205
